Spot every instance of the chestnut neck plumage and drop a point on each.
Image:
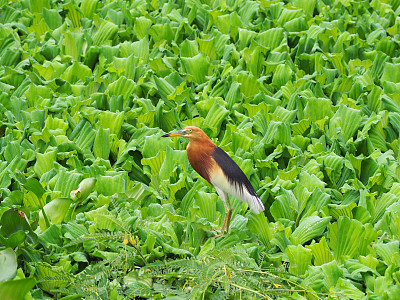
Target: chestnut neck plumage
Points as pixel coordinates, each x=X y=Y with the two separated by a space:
x=199 y=152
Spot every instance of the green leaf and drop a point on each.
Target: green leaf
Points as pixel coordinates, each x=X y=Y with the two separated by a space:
x=52 y=18
x=317 y=109
x=321 y=252
x=154 y=163
x=188 y=48
x=14 y=239
x=12 y=222
x=332 y=273
x=50 y=278
x=88 y=8
x=284 y=206
x=76 y=72
x=123 y=86
x=142 y=27
x=55 y=210
x=348 y=119
x=165 y=88
x=309 y=228
x=188 y=199
x=249 y=86
x=66 y=182
x=109 y=185
x=385 y=201
x=197 y=67
x=106 y=31
x=349 y=289
x=259 y=224
x=271 y=38
x=112 y=121
x=17 y=288
x=207 y=204
x=392 y=292
x=172 y=159
x=125 y=66
x=155 y=143
x=277 y=133
x=166 y=120
x=72 y=43
x=286 y=116
x=305 y=5
x=208 y=246
x=391 y=72
x=296 y=25
x=6 y=169
x=35 y=187
x=214 y=118
x=348 y=238
x=83 y=135
x=388 y=252
x=282 y=75
x=73 y=14
x=8 y=265
x=247 y=11
x=390 y=222
x=139 y=49
x=245 y=37
x=341 y=210
x=44 y=162
x=101 y=146
x=176 y=251
x=84 y=189
x=161 y=32
x=299 y=259
x=207 y=47
x=281 y=240
x=359 y=266
x=102 y=219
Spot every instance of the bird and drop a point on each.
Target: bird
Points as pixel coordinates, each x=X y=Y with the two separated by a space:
x=219 y=169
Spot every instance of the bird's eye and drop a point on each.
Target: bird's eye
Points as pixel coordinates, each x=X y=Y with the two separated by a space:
x=189 y=130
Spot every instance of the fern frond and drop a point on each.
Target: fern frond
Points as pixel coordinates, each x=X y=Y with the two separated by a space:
x=122 y=214
x=225 y=273
x=104 y=236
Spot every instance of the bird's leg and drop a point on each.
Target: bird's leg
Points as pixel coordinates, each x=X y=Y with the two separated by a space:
x=228 y=214
x=223 y=223
x=222 y=195
x=225 y=219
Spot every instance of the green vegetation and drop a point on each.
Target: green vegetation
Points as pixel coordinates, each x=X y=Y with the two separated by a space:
x=303 y=94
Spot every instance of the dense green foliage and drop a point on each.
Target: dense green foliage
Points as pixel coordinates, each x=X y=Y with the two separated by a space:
x=304 y=96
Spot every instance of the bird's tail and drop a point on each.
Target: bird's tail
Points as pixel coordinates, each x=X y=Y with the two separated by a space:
x=256 y=205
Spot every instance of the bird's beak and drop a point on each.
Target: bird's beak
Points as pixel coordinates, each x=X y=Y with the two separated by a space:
x=176 y=133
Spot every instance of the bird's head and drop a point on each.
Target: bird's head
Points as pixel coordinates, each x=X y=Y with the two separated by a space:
x=192 y=133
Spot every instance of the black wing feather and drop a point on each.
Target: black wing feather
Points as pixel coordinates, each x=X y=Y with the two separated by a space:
x=232 y=171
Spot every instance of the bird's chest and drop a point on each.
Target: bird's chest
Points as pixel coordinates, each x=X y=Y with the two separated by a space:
x=200 y=159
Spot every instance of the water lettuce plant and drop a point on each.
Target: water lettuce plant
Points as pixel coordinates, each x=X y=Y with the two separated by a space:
x=302 y=94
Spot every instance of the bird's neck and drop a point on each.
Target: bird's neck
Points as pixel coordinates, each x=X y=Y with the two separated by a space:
x=199 y=155
x=201 y=146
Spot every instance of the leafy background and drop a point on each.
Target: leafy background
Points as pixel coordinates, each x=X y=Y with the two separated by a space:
x=303 y=94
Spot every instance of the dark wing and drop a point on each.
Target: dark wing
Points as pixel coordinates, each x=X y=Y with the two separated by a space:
x=232 y=171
